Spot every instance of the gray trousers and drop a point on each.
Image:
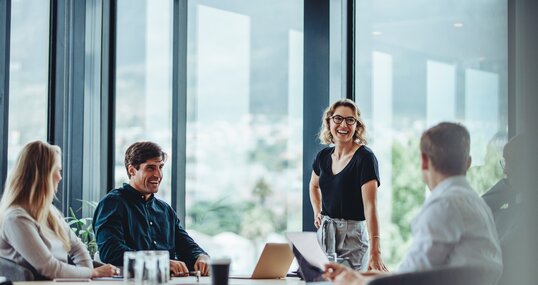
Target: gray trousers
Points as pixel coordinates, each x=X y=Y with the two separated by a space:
x=347 y=238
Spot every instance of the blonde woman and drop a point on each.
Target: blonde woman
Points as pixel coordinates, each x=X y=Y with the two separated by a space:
x=32 y=231
x=343 y=189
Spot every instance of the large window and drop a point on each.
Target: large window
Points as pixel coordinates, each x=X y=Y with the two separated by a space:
x=244 y=125
x=143 y=81
x=418 y=64
x=28 y=78
x=94 y=153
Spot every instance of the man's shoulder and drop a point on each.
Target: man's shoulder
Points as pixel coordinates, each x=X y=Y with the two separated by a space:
x=444 y=201
x=461 y=199
x=454 y=188
x=162 y=204
x=455 y=196
x=501 y=190
x=114 y=194
x=113 y=197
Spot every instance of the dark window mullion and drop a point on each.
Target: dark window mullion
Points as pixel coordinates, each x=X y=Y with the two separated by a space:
x=51 y=116
x=108 y=93
x=179 y=107
x=350 y=49
x=66 y=99
x=316 y=90
x=5 y=26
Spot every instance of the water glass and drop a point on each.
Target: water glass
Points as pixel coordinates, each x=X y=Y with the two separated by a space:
x=332 y=256
x=147 y=272
x=163 y=266
x=130 y=264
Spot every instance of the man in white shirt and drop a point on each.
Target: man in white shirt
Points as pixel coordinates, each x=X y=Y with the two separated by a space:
x=455 y=226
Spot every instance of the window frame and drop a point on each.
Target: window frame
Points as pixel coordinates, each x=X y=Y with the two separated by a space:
x=64 y=103
x=5 y=29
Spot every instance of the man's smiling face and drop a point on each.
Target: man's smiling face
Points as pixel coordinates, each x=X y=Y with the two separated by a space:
x=147 y=178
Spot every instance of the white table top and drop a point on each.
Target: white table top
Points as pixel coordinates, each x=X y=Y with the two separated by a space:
x=177 y=281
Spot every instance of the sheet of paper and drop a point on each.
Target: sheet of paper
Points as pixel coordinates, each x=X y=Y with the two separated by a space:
x=307 y=244
x=113 y=278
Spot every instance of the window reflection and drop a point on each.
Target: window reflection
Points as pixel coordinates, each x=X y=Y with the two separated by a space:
x=28 y=78
x=143 y=81
x=416 y=66
x=244 y=125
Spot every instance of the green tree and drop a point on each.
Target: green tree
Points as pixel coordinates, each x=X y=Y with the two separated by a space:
x=253 y=219
x=262 y=191
x=408 y=191
x=257 y=222
x=213 y=217
x=483 y=177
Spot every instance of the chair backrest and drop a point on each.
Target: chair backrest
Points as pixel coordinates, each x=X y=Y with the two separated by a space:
x=441 y=276
x=14 y=271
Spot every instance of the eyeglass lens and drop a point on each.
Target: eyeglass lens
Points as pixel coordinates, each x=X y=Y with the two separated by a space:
x=349 y=120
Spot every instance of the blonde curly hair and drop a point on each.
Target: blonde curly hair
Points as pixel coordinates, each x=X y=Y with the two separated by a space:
x=325 y=135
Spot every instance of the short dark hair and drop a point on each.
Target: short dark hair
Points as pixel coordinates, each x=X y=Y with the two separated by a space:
x=448 y=146
x=140 y=152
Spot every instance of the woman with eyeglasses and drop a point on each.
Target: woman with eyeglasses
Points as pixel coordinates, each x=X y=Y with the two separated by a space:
x=32 y=231
x=343 y=189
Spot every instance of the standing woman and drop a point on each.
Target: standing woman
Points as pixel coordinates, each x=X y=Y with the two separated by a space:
x=32 y=231
x=343 y=188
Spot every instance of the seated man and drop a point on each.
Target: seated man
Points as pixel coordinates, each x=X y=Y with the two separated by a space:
x=455 y=226
x=504 y=199
x=511 y=205
x=130 y=218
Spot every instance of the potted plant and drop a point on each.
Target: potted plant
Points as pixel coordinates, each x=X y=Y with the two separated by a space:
x=83 y=227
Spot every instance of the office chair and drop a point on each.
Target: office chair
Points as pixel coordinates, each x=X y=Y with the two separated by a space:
x=441 y=276
x=15 y=272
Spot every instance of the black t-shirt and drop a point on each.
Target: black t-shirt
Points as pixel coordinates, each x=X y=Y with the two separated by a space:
x=341 y=194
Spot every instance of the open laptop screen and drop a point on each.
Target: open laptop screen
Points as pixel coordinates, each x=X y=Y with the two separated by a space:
x=309 y=272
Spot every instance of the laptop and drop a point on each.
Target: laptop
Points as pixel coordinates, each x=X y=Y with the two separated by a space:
x=310 y=257
x=274 y=262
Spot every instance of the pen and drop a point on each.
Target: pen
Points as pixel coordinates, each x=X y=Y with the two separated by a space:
x=191 y=273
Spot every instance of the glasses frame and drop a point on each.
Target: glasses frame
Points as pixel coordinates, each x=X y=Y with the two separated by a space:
x=337 y=118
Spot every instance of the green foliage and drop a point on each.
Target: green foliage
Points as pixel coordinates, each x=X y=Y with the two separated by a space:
x=213 y=217
x=257 y=222
x=408 y=194
x=409 y=191
x=269 y=154
x=82 y=227
x=252 y=219
x=483 y=177
x=262 y=190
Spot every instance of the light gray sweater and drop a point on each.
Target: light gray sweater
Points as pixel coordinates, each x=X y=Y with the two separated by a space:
x=28 y=243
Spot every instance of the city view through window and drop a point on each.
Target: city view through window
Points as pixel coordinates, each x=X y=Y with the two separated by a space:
x=414 y=68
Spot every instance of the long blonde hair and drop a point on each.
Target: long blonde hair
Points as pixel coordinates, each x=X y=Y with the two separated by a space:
x=325 y=135
x=31 y=187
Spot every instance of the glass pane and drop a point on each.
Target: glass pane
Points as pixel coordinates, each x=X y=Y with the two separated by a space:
x=93 y=154
x=28 y=78
x=143 y=81
x=244 y=125
x=419 y=64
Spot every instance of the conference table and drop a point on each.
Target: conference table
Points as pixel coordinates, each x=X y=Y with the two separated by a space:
x=176 y=281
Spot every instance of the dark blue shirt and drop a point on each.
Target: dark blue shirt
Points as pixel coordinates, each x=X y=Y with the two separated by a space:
x=341 y=193
x=125 y=221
